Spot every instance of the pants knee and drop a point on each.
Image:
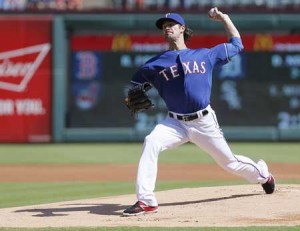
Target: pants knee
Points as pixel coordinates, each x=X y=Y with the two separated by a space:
x=232 y=166
x=151 y=142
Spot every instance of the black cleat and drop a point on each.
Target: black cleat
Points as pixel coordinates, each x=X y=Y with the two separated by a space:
x=139 y=208
x=269 y=186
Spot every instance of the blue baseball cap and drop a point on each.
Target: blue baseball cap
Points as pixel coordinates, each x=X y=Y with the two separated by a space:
x=171 y=17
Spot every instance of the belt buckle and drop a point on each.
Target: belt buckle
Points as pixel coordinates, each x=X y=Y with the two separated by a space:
x=185 y=118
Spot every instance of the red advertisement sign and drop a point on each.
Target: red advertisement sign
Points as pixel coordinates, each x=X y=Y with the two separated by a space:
x=25 y=79
x=156 y=43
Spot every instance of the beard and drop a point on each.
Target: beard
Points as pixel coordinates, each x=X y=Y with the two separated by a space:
x=170 y=37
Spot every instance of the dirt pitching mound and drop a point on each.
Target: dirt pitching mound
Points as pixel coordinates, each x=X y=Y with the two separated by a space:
x=243 y=205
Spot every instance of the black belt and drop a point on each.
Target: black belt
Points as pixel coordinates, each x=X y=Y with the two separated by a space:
x=188 y=117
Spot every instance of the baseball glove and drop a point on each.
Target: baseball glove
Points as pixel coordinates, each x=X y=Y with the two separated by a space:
x=137 y=99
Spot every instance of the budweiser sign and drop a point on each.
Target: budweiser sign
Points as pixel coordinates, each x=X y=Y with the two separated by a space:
x=17 y=67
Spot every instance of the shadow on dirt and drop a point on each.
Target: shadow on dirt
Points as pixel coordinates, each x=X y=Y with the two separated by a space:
x=111 y=209
x=209 y=200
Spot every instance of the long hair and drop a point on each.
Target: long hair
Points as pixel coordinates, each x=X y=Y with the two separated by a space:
x=187 y=34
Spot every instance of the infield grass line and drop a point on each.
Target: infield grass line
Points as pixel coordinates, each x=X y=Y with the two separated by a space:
x=126 y=153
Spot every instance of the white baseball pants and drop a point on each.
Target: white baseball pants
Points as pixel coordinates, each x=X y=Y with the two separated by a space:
x=207 y=135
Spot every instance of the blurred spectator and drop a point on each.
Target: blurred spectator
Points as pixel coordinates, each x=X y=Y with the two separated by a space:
x=152 y=5
x=118 y=4
x=46 y=4
x=74 y=4
x=41 y=4
x=96 y=4
x=54 y=4
x=200 y=4
x=13 y=4
x=32 y=4
x=61 y=4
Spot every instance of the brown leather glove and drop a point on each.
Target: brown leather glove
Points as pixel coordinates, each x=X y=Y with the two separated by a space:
x=137 y=99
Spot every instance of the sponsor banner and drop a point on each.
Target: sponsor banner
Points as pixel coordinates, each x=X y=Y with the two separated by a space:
x=156 y=43
x=25 y=79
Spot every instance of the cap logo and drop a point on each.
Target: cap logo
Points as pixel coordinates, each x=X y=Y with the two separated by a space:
x=167 y=15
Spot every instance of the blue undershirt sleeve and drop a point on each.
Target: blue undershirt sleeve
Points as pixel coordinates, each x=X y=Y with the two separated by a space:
x=141 y=76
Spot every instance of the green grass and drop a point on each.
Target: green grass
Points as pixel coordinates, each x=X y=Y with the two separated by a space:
x=69 y=153
x=271 y=152
x=20 y=194
x=102 y=153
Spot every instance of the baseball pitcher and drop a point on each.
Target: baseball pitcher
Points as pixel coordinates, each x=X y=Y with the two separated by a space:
x=183 y=78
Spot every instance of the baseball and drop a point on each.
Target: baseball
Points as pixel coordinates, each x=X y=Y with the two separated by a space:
x=212 y=12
